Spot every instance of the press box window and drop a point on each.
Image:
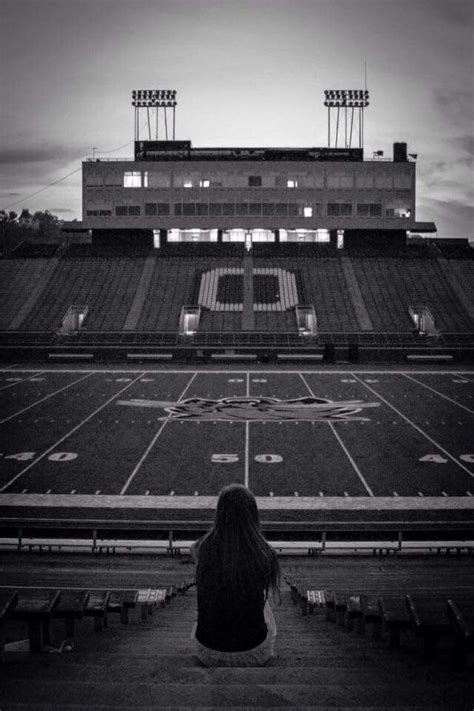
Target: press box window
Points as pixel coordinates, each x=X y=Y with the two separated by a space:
x=375 y=210
x=255 y=181
x=127 y=211
x=132 y=179
x=204 y=183
x=150 y=208
x=291 y=183
x=307 y=211
x=362 y=210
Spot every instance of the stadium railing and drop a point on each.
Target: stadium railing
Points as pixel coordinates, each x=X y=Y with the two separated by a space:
x=175 y=537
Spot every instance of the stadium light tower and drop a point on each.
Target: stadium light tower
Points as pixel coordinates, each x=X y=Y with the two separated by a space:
x=349 y=100
x=158 y=100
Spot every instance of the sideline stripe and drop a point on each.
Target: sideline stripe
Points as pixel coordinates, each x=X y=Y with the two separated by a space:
x=247 y=440
x=19 y=504
x=56 y=392
x=445 y=397
x=374 y=392
x=219 y=371
x=19 y=382
x=89 y=417
x=152 y=443
x=346 y=451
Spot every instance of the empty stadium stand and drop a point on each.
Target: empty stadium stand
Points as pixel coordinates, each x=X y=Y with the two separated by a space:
x=149 y=663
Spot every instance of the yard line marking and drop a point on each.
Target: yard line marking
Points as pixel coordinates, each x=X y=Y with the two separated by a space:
x=247 y=441
x=152 y=443
x=348 y=454
x=12 y=385
x=445 y=397
x=50 y=449
x=418 y=429
x=56 y=392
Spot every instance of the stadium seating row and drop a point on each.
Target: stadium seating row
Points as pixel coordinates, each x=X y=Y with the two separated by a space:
x=108 y=287
x=39 y=608
x=430 y=617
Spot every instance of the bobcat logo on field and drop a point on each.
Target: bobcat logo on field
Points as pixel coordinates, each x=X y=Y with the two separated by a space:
x=313 y=409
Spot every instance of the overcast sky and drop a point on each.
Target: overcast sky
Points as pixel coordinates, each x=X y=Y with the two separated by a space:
x=247 y=72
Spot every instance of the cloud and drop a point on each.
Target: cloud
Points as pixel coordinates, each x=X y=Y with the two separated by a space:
x=464 y=144
x=453 y=218
x=455 y=104
x=17 y=155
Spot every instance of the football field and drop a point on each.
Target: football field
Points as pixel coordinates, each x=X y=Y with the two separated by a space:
x=284 y=433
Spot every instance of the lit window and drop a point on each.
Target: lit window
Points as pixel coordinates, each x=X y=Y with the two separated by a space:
x=145 y=179
x=188 y=184
x=132 y=179
x=204 y=183
x=307 y=211
x=292 y=183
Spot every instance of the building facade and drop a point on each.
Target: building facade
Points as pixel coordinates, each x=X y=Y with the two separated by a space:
x=174 y=193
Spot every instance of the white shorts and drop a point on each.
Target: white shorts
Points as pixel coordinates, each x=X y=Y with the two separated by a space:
x=256 y=657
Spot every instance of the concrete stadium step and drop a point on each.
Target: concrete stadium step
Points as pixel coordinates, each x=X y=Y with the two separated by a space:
x=149 y=672
x=80 y=707
x=70 y=694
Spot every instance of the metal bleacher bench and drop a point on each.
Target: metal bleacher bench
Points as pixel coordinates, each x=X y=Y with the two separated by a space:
x=430 y=616
x=39 y=607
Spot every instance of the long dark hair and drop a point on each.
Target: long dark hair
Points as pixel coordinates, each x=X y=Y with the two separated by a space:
x=234 y=554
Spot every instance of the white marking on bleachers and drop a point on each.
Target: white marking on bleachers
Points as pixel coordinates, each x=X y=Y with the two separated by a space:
x=152 y=443
x=97 y=492
x=72 y=356
x=24 y=491
x=73 y=491
x=21 y=380
x=346 y=493
x=433 y=390
x=321 y=493
x=271 y=493
x=395 y=493
x=235 y=380
x=468 y=493
x=420 y=493
x=13 y=380
x=49 y=491
x=56 y=392
x=424 y=357
x=68 y=434
x=444 y=493
x=418 y=429
x=147 y=492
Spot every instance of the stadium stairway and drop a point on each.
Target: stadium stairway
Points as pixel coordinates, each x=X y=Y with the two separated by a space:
x=149 y=665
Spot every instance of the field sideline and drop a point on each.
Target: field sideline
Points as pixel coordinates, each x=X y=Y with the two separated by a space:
x=103 y=435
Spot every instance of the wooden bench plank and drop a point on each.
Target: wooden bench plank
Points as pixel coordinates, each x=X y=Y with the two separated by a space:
x=97 y=608
x=35 y=608
x=395 y=617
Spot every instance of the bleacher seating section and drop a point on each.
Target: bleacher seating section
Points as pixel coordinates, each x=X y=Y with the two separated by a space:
x=430 y=617
x=16 y=279
x=107 y=285
x=390 y=286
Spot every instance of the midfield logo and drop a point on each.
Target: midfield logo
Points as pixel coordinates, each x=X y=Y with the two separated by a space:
x=313 y=409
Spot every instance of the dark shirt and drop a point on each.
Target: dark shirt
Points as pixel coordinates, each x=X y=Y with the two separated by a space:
x=228 y=622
